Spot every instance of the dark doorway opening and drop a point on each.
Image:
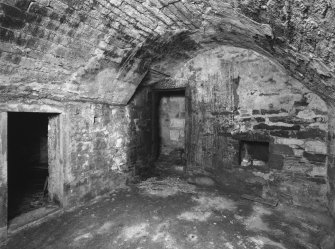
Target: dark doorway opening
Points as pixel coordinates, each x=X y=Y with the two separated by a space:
x=28 y=169
x=253 y=153
x=169 y=125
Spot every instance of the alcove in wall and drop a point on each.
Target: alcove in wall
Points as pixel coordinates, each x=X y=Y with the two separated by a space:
x=169 y=124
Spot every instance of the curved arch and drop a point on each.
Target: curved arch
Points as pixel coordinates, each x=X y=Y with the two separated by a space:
x=164 y=55
x=172 y=50
x=97 y=49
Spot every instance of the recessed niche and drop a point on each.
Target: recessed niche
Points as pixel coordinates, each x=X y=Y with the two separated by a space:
x=169 y=124
x=253 y=153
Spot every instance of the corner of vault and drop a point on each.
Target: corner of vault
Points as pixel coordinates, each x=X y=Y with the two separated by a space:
x=109 y=80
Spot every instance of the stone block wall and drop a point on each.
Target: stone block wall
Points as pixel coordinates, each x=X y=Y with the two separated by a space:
x=3 y=176
x=89 y=150
x=238 y=95
x=98 y=147
x=331 y=161
x=93 y=147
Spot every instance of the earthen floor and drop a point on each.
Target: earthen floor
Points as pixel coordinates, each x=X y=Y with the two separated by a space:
x=170 y=213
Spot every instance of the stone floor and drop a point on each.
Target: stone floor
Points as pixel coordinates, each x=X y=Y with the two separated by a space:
x=168 y=212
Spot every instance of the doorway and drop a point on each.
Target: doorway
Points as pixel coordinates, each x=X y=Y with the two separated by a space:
x=169 y=126
x=28 y=162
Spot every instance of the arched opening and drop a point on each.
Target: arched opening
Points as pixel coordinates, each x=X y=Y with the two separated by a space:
x=238 y=99
x=169 y=124
x=253 y=126
x=171 y=52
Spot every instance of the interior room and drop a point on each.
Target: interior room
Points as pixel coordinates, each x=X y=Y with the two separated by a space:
x=167 y=124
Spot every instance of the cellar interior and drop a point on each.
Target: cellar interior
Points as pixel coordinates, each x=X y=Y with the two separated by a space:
x=167 y=124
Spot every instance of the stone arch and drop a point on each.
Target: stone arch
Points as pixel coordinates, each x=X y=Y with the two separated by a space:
x=168 y=52
x=172 y=50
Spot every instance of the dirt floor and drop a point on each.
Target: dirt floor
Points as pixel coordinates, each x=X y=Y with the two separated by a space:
x=168 y=212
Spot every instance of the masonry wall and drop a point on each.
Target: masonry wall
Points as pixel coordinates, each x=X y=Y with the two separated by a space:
x=98 y=145
x=93 y=143
x=238 y=95
x=3 y=176
x=331 y=161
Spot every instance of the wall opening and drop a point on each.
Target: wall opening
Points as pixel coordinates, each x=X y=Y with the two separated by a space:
x=169 y=125
x=254 y=153
x=28 y=162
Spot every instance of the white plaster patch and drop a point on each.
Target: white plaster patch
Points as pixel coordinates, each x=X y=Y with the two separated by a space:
x=118 y=162
x=119 y=142
x=178 y=168
x=266 y=177
x=229 y=245
x=279 y=123
x=177 y=123
x=164 y=237
x=105 y=228
x=197 y=215
x=169 y=242
x=306 y=114
x=83 y=237
x=289 y=141
x=316 y=102
x=174 y=135
x=254 y=222
x=160 y=231
x=321 y=126
x=319 y=171
x=261 y=241
x=135 y=231
x=316 y=147
x=246 y=112
x=206 y=206
x=215 y=203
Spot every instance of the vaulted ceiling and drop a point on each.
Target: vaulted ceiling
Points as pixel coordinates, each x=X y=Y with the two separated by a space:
x=101 y=50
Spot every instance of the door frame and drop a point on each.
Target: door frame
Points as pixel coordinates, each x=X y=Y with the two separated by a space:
x=156 y=95
x=56 y=154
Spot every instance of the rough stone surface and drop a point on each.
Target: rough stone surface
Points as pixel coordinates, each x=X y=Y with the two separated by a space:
x=98 y=50
x=91 y=54
x=239 y=95
x=93 y=146
x=98 y=158
x=331 y=161
x=3 y=176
